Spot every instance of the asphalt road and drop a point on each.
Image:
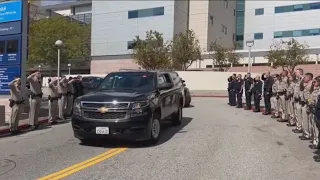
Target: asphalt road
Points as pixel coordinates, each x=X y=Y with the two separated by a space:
x=215 y=142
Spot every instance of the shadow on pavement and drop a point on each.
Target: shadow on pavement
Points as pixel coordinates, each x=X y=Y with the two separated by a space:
x=190 y=106
x=317 y=155
x=168 y=131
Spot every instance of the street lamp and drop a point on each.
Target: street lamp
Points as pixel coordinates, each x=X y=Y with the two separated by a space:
x=59 y=44
x=69 y=66
x=39 y=67
x=249 y=43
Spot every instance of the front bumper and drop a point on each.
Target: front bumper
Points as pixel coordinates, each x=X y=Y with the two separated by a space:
x=132 y=128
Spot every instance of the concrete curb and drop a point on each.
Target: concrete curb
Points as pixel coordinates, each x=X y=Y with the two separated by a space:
x=23 y=126
x=212 y=96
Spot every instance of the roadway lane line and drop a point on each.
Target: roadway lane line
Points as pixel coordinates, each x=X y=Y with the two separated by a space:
x=82 y=165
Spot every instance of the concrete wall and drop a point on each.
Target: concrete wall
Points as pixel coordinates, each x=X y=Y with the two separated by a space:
x=271 y=22
x=195 y=80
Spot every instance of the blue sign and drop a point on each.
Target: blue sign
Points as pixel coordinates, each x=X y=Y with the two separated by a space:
x=7 y=74
x=10 y=11
x=10 y=28
x=10 y=50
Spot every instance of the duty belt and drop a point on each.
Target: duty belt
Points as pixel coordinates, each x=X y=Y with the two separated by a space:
x=51 y=99
x=34 y=95
x=281 y=93
x=70 y=94
x=62 y=94
x=13 y=102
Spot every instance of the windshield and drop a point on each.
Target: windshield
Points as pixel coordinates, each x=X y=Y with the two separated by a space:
x=142 y=81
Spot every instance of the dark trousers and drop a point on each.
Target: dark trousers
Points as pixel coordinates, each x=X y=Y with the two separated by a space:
x=229 y=95
x=267 y=102
x=239 y=98
x=257 y=102
x=233 y=97
x=248 y=99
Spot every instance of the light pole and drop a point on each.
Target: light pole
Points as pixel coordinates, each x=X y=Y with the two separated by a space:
x=39 y=67
x=249 y=43
x=59 y=44
x=69 y=66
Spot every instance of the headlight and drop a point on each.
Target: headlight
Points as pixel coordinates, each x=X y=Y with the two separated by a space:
x=76 y=107
x=138 y=107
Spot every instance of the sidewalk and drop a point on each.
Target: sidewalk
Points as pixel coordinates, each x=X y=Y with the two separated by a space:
x=209 y=93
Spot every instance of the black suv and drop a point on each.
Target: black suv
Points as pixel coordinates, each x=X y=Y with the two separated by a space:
x=128 y=105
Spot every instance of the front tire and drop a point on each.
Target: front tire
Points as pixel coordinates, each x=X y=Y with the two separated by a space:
x=155 y=129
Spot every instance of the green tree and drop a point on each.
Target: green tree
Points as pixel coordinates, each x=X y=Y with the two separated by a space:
x=223 y=57
x=287 y=54
x=42 y=36
x=185 y=50
x=152 y=52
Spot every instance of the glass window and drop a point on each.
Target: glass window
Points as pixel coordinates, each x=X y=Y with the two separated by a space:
x=240 y=6
x=2 y=47
x=240 y=14
x=314 y=32
x=239 y=38
x=315 y=5
x=161 y=80
x=12 y=46
x=305 y=33
x=130 y=45
x=259 y=11
x=158 y=11
x=298 y=7
x=258 y=35
x=278 y=10
x=297 y=33
x=239 y=30
x=306 y=7
x=132 y=14
x=287 y=34
x=140 y=81
x=145 y=13
x=239 y=45
x=277 y=34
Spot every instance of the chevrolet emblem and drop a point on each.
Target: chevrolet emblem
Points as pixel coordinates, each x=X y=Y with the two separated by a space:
x=103 y=109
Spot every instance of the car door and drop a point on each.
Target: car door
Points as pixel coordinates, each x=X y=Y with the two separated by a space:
x=171 y=96
x=162 y=96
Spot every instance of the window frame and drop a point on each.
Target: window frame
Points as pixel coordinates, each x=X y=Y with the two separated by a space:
x=259 y=11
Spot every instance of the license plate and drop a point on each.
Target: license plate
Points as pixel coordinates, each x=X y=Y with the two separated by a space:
x=102 y=130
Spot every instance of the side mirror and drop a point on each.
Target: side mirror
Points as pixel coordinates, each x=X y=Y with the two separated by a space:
x=165 y=86
x=183 y=81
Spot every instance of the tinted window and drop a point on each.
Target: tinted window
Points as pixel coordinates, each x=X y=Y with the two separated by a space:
x=12 y=46
x=2 y=47
x=143 y=81
x=259 y=11
x=146 y=12
x=258 y=35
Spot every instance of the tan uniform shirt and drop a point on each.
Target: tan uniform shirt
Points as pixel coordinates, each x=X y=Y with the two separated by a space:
x=314 y=95
x=35 y=86
x=290 y=89
x=63 y=87
x=306 y=94
x=275 y=86
x=53 y=90
x=70 y=88
x=283 y=85
x=15 y=92
x=297 y=92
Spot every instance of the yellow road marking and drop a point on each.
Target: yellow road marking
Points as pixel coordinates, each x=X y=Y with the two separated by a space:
x=85 y=164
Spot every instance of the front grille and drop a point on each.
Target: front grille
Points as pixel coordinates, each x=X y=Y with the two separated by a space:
x=107 y=115
x=106 y=105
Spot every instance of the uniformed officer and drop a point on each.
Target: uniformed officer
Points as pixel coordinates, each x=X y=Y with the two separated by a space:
x=62 y=89
x=78 y=88
x=290 y=100
x=275 y=102
x=16 y=104
x=267 y=93
x=53 y=100
x=233 y=90
x=248 y=85
x=317 y=117
x=313 y=120
x=257 y=93
x=229 y=90
x=70 y=94
x=306 y=95
x=239 y=90
x=35 y=98
x=298 y=88
x=283 y=85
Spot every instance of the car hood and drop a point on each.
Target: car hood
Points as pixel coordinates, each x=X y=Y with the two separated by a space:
x=109 y=96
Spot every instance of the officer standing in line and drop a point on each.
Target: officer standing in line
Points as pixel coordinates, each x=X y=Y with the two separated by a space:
x=233 y=90
x=239 y=90
x=35 y=98
x=267 y=93
x=248 y=90
x=257 y=92
x=275 y=96
x=317 y=116
x=78 y=88
x=290 y=100
x=306 y=95
x=298 y=88
x=313 y=120
x=70 y=94
x=229 y=89
x=53 y=100
x=282 y=92
x=62 y=89
x=16 y=104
